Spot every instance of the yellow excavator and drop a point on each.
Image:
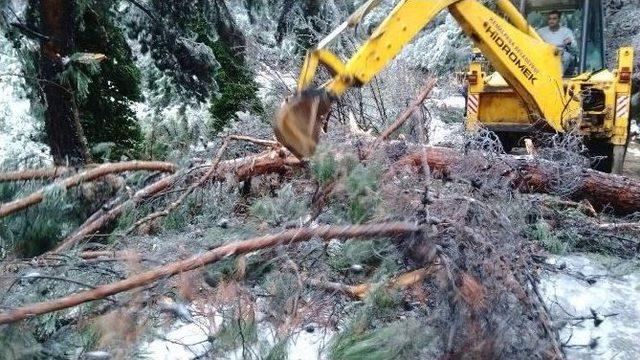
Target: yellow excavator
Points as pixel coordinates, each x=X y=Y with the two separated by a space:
x=516 y=81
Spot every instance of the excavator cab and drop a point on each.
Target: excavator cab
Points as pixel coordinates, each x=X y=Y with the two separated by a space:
x=602 y=116
x=585 y=20
x=521 y=89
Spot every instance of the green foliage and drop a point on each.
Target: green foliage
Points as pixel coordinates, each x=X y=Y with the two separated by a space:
x=278 y=352
x=324 y=167
x=362 y=184
x=38 y=228
x=451 y=115
x=370 y=252
x=16 y=343
x=284 y=207
x=105 y=96
x=547 y=238
x=364 y=338
x=283 y=288
x=236 y=331
x=237 y=88
x=78 y=77
x=398 y=340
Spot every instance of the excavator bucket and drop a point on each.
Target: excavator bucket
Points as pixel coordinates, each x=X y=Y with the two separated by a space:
x=299 y=121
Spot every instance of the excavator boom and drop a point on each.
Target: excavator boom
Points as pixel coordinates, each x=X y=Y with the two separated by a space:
x=529 y=65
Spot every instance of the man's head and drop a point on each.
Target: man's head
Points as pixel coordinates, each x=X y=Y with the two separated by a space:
x=554 y=19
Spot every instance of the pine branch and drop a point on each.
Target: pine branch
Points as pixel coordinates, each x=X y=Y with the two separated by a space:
x=89 y=175
x=30 y=33
x=198 y=261
x=101 y=219
x=242 y=169
x=183 y=197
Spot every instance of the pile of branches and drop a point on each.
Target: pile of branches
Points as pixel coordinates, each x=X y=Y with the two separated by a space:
x=456 y=217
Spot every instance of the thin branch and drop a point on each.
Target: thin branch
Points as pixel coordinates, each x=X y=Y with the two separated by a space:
x=262 y=142
x=362 y=290
x=106 y=217
x=620 y=226
x=89 y=175
x=30 y=33
x=204 y=178
x=406 y=115
x=143 y=9
x=197 y=261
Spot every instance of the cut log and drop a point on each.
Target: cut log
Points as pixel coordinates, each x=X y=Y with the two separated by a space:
x=85 y=176
x=528 y=174
x=197 y=261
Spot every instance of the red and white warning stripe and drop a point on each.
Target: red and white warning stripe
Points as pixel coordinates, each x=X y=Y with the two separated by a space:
x=622 y=106
x=473 y=101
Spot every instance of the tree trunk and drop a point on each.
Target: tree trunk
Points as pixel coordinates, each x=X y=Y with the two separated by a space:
x=228 y=30
x=528 y=174
x=62 y=123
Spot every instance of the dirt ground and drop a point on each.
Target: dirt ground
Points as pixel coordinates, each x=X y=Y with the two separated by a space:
x=632 y=162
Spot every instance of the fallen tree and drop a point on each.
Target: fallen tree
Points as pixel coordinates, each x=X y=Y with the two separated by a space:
x=197 y=261
x=276 y=161
x=527 y=174
x=85 y=176
x=534 y=175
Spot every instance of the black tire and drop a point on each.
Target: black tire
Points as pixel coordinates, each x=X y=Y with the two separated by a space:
x=507 y=140
x=601 y=155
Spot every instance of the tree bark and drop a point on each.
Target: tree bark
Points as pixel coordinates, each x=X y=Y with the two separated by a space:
x=62 y=123
x=35 y=174
x=528 y=174
x=197 y=261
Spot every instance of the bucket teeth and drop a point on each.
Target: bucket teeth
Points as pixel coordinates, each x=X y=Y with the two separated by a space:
x=299 y=121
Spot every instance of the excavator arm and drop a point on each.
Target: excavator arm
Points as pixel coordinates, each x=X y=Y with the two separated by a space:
x=529 y=65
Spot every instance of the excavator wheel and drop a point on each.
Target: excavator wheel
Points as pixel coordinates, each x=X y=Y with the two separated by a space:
x=607 y=157
x=299 y=121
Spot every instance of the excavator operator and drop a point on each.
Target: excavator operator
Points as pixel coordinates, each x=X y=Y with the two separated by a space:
x=560 y=37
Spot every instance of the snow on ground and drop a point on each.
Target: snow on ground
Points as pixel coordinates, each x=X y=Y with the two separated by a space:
x=187 y=340
x=634 y=151
x=617 y=336
x=440 y=132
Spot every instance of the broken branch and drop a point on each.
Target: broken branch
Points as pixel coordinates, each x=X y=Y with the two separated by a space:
x=362 y=290
x=35 y=174
x=85 y=176
x=197 y=261
x=406 y=115
x=183 y=197
x=262 y=142
x=96 y=223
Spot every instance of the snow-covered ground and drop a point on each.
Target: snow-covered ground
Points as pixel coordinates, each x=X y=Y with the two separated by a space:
x=190 y=339
x=614 y=297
